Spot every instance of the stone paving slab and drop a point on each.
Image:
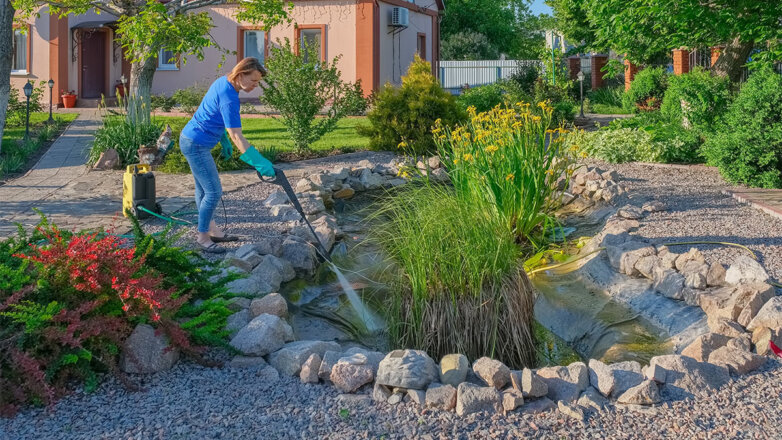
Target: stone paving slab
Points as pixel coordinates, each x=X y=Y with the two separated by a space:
x=766 y=200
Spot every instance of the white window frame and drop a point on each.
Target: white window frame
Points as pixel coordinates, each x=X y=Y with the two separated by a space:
x=26 y=52
x=163 y=64
x=262 y=45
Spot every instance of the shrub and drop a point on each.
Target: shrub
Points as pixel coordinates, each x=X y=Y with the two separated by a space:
x=189 y=98
x=563 y=108
x=696 y=99
x=747 y=143
x=300 y=89
x=606 y=100
x=460 y=288
x=16 y=112
x=647 y=90
x=125 y=131
x=483 y=98
x=407 y=113
x=525 y=76
x=162 y=102
x=616 y=145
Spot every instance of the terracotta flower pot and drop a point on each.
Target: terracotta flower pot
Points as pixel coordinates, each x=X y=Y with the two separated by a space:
x=69 y=101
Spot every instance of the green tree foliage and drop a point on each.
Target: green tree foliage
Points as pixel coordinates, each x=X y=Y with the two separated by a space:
x=696 y=99
x=747 y=144
x=508 y=26
x=299 y=89
x=647 y=90
x=468 y=45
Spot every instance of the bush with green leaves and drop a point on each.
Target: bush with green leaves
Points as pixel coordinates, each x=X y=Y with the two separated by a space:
x=647 y=90
x=162 y=102
x=16 y=112
x=124 y=136
x=696 y=99
x=617 y=145
x=407 y=113
x=301 y=87
x=525 y=76
x=483 y=98
x=558 y=98
x=746 y=144
x=188 y=99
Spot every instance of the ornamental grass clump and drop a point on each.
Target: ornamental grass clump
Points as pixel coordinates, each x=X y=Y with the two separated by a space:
x=460 y=288
x=512 y=162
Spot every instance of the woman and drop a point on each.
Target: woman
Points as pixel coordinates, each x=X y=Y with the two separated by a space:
x=218 y=113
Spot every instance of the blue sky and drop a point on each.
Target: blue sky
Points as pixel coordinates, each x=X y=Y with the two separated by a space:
x=539 y=7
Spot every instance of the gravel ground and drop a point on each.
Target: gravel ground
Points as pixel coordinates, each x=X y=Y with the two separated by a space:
x=698 y=211
x=191 y=401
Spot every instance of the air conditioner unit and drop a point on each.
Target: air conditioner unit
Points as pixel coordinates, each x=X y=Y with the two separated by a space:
x=400 y=17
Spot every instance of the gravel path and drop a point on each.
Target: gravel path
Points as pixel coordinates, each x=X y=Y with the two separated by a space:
x=193 y=402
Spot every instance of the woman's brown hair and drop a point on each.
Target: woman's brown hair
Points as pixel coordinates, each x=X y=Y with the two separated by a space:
x=246 y=66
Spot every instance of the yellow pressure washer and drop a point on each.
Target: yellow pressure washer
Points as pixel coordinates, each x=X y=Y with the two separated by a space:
x=138 y=191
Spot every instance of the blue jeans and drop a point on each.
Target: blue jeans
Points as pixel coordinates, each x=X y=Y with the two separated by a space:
x=208 y=189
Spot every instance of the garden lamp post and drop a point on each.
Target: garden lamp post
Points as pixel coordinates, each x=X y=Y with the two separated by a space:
x=28 y=91
x=581 y=82
x=51 y=86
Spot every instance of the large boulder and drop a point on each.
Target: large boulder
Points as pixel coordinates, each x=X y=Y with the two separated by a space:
x=272 y=304
x=492 y=371
x=472 y=398
x=453 y=369
x=352 y=372
x=263 y=335
x=645 y=393
x=737 y=361
x=512 y=399
x=745 y=270
x=289 y=359
x=614 y=379
x=236 y=321
x=410 y=369
x=669 y=283
x=441 y=396
x=693 y=255
x=565 y=383
x=272 y=272
x=529 y=383
x=716 y=274
x=145 y=352
x=329 y=359
x=685 y=377
x=300 y=254
x=770 y=315
x=724 y=326
x=373 y=357
x=309 y=370
x=703 y=345
x=738 y=303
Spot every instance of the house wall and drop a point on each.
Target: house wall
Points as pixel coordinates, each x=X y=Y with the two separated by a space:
x=38 y=39
x=398 y=49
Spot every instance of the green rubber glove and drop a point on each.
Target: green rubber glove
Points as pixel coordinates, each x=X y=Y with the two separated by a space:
x=227 y=147
x=253 y=158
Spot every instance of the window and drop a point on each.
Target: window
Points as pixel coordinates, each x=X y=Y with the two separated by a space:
x=167 y=60
x=311 y=38
x=254 y=45
x=21 y=51
x=422 y=46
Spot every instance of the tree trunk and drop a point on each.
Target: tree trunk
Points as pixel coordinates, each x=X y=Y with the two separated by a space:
x=141 y=76
x=732 y=59
x=6 y=50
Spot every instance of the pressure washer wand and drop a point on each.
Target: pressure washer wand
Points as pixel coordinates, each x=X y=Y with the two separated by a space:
x=280 y=179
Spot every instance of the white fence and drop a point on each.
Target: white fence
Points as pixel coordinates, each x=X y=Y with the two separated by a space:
x=455 y=74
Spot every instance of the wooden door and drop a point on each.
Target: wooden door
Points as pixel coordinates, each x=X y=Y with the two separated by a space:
x=93 y=64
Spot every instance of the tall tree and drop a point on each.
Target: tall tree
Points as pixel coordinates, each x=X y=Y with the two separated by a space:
x=508 y=26
x=6 y=58
x=145 y=27
x=641 y=29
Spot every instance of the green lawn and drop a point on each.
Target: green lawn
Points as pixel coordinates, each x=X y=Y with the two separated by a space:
x=15 y=154
x=266 y=133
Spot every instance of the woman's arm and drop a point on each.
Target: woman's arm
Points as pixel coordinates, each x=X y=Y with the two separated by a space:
x=238 y=138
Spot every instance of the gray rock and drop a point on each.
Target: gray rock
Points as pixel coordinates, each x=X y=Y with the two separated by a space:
x=268 y=374
x=655 y=206
x=276 y=198
x=273 y=271
x=472 y=398
x=239 y=263
x=614 y=379
x=373 y=357
x=770 y=315
x=370 y=180
x=591 y=398
x=146 y=352
x=411 y=369
x=564 y=384
x=243 y=286
x=695 y=280
x=284 y=213
x=492 y=371
x=309 y=370
x=349 y=376
x=235 y=322
x=611 y=175
x=630 y=212
x=743 y=342
x=761 y=338
x=538 y=405
x=238 y=303
x=529 y=383
x=726 y=327
x=646 y=393
x=703 y=345
x=624 y=256
x=453 y=369
x=737 y=361
x=263 y=335
x=573 y=411
x=329 y=359
x=395 y=398
x=340 y=173
x=646 y=265
x=692 y=255
x=417 y=396
x=738 y=303
x=670 y=284
x=108 y=160
x=511 y=399
x=668 y=259
x=440 y=175
x=601 y=377
x=300 y=254
x=289 y=359
x=311 y=203
x=753 y=301
x=654 y=372
x=272 y=304
x=441 y=397
x=745 y=270
x=685 y=377
x=381 y=393
x=716 y=275
x=249 y=362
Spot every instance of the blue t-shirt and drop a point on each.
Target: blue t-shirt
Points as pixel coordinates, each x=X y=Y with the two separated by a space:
x=218 y=110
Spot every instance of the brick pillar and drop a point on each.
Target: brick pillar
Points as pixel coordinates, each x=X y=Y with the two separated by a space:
x=715 y=53
x=574 y=65
x=681 y=61
x=598 y=62
x=630 y=71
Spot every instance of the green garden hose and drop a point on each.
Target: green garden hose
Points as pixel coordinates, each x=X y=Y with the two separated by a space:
x=724 y=243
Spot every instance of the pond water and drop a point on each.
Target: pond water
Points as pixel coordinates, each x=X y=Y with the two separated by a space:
x=573 y=321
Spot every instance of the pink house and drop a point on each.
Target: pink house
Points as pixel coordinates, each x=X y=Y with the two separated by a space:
x=376 y=39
